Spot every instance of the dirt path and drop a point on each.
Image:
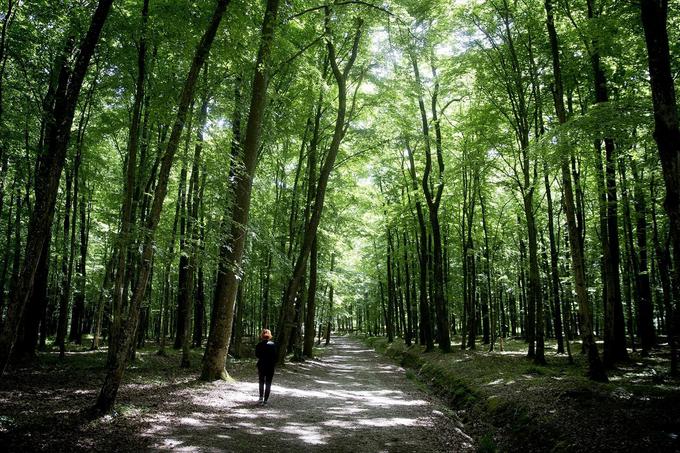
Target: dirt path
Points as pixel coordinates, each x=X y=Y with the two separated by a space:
x=351 y=400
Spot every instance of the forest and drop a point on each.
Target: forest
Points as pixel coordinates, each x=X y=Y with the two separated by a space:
x=468 y=207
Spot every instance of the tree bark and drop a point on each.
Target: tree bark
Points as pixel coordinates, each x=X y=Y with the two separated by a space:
x=230 y=270
x=433 y=201
x=308 y=347
x=123 y=342
x=125 y=235
x=595 y=367
x=286 y=318
x=615 y=335
x=554 y=270
x=424 y=307
x=654 y=15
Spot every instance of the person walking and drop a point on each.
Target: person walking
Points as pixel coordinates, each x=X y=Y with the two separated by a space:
x=265 y=351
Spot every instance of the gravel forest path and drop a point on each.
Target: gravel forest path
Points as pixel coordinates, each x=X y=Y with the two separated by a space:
x=351 y=400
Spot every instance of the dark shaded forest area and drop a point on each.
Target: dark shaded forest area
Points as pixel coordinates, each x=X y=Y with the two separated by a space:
x=487 y=192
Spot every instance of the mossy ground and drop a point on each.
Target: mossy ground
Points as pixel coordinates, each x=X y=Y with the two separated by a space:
x=510 y=404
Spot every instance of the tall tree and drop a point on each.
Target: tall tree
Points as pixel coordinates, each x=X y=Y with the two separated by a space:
x=654 y=15
x=341 y=75
x=595 y=367
x=230 y=271
x=49 y=173
x=125 y=337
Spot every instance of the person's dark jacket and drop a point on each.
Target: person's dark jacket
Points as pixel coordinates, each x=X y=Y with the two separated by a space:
x=265 y=351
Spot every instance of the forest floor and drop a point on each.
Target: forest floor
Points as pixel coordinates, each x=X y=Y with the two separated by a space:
x=508 y=404
x=350 y=399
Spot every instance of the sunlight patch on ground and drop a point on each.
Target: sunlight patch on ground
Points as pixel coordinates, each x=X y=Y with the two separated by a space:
x=299 y=393
x=190 y=421
x=395 y=421
x=344 y=424
x=515 y=353
x=306 y=433
x=84 y=392
x=345 y=410
x=169 y=443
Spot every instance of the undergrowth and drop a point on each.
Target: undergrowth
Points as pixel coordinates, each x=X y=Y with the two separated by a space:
x=510 y=404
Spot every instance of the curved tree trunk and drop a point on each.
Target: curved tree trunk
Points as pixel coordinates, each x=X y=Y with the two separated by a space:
x=286 y=319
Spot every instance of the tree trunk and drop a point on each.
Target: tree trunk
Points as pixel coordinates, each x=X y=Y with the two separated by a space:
x=408 y=337
x=123 y=342
x=595 y=367
x=389 y=320
x=615 y=335
x=308 y=348
x=101 y=302
x=286 y=318
x=194 y=198
x=65 y=292
x=554 y=270
x=35 y=310
x=630 y=257
x=125 y=235
x=433 y=202
x=667 y=135
x=230 y=268
x=199 y=312
x=424 y=308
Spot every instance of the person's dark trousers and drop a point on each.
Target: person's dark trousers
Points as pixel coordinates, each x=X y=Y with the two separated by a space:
x=266 y=377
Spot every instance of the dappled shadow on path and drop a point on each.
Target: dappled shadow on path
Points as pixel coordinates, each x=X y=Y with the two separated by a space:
x=350 y=401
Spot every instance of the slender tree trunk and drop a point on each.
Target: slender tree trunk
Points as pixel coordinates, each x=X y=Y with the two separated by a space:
x=595 y=367
x=65 y=290
x=183 y=265
x=330 y=315
x=199 y=312
x=486 y=295
x=123 y=342
x=663 y=260
x=313 y=257
x=554 y=270
x=408 y=338
x=101 y=302
x=433 y=201
x=286 y=318
x=230 y=273
x=308 y=348
x=192 y=224
x=630 y=257
x=125 y=235
x=667 y=135
x=615 y=335
x=424 y=307
x=389 y=320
